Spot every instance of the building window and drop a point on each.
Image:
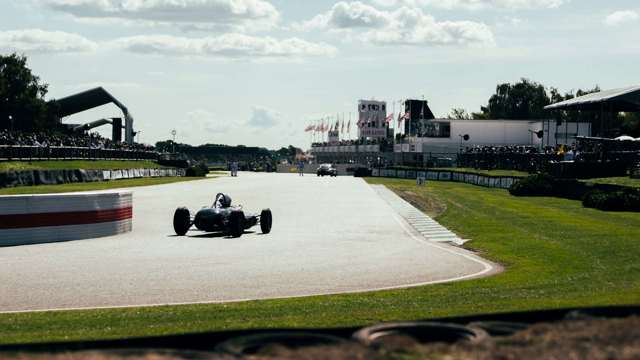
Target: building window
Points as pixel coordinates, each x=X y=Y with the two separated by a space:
x=436 y=129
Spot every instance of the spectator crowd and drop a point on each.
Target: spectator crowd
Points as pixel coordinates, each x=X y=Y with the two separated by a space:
x=57 y=139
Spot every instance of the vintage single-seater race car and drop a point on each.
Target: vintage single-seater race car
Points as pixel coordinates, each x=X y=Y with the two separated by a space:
x=221 y=217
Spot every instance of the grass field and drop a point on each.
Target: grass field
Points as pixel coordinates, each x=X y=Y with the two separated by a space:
x=624 y=181
x=555 y=253
x=91 y=186
x=77 y=164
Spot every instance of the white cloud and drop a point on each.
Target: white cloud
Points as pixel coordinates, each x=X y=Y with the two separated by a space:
x=262 y=117
x=40 y=41
x=476 y=4
x=409 y=26
x=223 y=46
x=202 y=12
x=621 y=17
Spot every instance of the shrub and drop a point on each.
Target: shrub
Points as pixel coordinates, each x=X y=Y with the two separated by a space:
x=200 y=170
x=617 y=200
x=547 y=185
x=362 y=172
x=535 y=185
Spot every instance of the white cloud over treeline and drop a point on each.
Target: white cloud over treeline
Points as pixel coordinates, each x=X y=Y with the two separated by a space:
x=402 y=26
x=205 y=12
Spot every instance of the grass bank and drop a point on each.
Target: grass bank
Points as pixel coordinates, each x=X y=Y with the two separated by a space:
x=623 y=181
x=556 y=254
x=78 y=164
x=93 y=186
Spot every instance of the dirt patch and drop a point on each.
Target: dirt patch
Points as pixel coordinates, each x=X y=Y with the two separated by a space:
x=429 y=204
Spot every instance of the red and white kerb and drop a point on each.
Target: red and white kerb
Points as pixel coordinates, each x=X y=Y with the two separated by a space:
x=34 y=219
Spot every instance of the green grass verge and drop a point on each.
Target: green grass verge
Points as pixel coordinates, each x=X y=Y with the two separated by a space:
x=555 y=252
x=92 y=186
x=623 y=181
x=78 y=164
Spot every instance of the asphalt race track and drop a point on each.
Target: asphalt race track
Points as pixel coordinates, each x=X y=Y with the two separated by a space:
x=330 y=235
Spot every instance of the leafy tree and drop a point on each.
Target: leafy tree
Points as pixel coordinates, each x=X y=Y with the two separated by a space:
x=629 y=124
x=22 y=104
x=459 y=114
x=520 y=101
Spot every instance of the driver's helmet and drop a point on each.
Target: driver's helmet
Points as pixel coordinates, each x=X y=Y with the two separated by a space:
x=222 y=201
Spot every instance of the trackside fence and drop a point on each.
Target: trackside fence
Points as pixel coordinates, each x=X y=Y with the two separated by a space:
x=501 y=182
x=54 y=177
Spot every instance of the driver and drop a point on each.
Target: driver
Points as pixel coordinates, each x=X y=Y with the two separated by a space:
x=222 y=201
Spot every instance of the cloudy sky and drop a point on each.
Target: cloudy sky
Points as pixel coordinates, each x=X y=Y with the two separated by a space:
x=256 y=72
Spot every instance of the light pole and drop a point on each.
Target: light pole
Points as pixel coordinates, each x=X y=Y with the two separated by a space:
x=173 y=133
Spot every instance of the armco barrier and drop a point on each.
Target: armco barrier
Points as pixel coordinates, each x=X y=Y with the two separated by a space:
x=36 y=219
x=54 y=177
x=502 y=182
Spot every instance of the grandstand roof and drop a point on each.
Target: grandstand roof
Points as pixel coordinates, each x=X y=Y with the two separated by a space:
x=86 y=100
x=616 y=100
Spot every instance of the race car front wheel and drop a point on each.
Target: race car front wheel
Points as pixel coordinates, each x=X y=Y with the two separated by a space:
x=236 y=224
x=181 y=221
x=266 y=220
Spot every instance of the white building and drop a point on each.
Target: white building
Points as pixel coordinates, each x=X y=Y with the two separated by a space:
x=446 y=136
x=371 y=116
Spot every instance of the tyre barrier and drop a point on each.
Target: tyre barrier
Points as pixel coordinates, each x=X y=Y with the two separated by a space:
x=239 y=344
x=257 y=343
x=37 y=219
x=421 y=331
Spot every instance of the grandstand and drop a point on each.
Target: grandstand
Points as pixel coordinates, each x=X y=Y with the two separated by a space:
x=73 y=141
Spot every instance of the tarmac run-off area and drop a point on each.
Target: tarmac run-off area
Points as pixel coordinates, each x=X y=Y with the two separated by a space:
x=330 y=235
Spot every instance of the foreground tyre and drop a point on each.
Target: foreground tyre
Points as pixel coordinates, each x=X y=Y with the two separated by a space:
x=181 y=221
x=266 y=220
x=236 y=224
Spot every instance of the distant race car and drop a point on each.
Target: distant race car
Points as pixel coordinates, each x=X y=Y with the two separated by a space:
x=327 y=169
x=221 y=217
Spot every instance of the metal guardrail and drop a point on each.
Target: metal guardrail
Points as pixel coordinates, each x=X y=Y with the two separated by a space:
x=28 y=153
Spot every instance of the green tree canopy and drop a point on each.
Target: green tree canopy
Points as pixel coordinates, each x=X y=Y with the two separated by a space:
x=22 y=104
x=523 y=100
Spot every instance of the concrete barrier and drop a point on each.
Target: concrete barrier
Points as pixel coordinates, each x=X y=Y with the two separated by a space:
x=37 y=219
x=502 y=182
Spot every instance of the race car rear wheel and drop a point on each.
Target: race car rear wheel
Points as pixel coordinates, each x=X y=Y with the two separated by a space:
x=181 y=221
x=236 y=224
x=266 y=220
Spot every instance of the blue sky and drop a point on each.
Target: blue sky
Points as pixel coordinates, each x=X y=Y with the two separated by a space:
x=256 y=72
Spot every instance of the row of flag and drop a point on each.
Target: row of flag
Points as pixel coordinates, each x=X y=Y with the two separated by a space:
x=325 y=125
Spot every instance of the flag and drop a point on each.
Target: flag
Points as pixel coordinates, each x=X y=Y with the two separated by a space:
x=407 y=115
x=422 y=112
x=342 y=127
x=349 y=124
x=388 y=119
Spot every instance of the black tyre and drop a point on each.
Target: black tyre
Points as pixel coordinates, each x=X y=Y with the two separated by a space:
x=423 y=332
x=181 y=221
x=266 y=220
x=236 y=224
